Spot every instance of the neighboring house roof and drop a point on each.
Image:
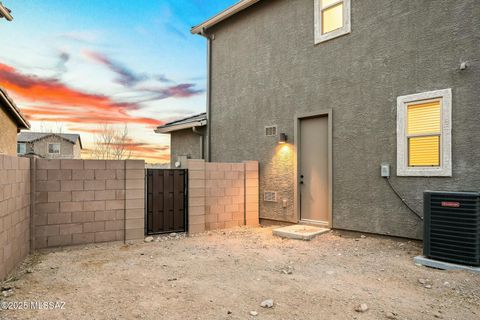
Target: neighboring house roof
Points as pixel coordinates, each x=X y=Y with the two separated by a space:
x=7 y=103
x=198 y=120
x=225 y=14
x=35 y=136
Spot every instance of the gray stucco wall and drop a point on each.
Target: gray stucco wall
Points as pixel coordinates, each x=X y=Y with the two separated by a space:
x=185 y=143
x=266 y=69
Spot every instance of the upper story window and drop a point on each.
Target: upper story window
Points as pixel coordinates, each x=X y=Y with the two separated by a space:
x=54 y=148
x=21 y=148
x=332 y=19
x=424 y=134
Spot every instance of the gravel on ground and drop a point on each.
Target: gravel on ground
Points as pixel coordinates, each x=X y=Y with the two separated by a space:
x=230 y=274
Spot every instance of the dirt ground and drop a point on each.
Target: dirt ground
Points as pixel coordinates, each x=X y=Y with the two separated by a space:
x=227 y=274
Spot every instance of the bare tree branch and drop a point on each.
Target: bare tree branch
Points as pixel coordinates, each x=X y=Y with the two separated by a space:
x=112 y=143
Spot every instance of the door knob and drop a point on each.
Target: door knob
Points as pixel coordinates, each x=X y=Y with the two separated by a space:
x=301 y=176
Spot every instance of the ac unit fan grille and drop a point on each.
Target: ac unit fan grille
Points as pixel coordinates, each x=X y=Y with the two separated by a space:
x=452 y=227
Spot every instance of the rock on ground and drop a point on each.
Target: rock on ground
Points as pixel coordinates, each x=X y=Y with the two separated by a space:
x=267 y=303
x=362 y=307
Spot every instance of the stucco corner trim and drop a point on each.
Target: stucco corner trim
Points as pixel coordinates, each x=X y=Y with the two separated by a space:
x=347 y=26
x=445 y=170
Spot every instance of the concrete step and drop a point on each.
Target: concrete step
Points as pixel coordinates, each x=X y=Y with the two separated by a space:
x=299 y=231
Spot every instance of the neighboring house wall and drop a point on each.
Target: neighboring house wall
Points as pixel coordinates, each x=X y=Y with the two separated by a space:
x=266 y=69
x=77 y=151
x=185 y=143
x=14 y=212
x=8 y=136
x=67 y=149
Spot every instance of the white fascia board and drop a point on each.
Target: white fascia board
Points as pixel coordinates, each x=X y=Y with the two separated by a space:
x=239 y=6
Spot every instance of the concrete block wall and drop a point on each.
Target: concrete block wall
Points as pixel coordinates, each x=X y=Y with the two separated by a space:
x=196 y=196
x=225 y=195
x=252 y=193
x=222 y=195
x=87 y=201
x=14 y=212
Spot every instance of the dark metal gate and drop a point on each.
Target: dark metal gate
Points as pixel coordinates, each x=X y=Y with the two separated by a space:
x=166 y=200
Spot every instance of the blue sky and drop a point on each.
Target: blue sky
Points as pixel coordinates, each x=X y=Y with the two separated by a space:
x=109 y=61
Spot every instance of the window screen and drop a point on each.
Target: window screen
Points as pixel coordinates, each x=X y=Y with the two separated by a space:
x=424 y=134
x=332 y=18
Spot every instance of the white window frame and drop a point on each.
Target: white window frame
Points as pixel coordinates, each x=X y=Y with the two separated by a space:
x=346 y=29
x=445 y=168
x=24 y=147
x=48 y=148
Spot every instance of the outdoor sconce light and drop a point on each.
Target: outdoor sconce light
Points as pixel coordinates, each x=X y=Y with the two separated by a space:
x=283 y=138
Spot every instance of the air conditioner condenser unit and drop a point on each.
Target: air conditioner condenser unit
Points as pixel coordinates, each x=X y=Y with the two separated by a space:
x=452 y=227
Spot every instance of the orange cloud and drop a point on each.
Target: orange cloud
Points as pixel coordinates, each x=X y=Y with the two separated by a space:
x=49 y=100
x=150 y=153
x=138 y=150
x=72 y=115
x=51 y=91
x=65 y=104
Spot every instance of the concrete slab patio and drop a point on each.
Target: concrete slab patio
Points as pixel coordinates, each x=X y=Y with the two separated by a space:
x=424 y=261
x=226 y=274
x=299 y=231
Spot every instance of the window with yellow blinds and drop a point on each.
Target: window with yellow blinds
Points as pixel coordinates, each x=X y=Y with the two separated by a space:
x=332 y=15
x=332 y=19
x=424 y=133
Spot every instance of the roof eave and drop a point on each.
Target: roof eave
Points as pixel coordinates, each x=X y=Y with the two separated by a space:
x=22 y=123
x=48 y=135
x=225 y=14
x=80 y=142
x=178 y=127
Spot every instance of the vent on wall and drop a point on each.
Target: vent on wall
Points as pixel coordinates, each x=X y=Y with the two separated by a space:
x=270 y=196
x=452 y=227
x=271 y=131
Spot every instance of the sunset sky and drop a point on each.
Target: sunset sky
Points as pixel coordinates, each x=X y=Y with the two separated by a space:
x=73 y=66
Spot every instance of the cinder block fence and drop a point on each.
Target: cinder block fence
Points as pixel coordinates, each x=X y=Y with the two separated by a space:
x=86 y=201
x=50 y=203
x=14 y=212
x=222 y=195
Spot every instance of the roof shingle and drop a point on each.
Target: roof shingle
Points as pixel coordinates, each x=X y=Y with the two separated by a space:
x=34 y=136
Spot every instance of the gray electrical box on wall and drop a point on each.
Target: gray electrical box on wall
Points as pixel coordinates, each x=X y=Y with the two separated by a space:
x=385 y=170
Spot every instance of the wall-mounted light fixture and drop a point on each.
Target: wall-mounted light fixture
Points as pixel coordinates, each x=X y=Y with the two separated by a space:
x=283 y=138
x=463 y=65
x=5 y=12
